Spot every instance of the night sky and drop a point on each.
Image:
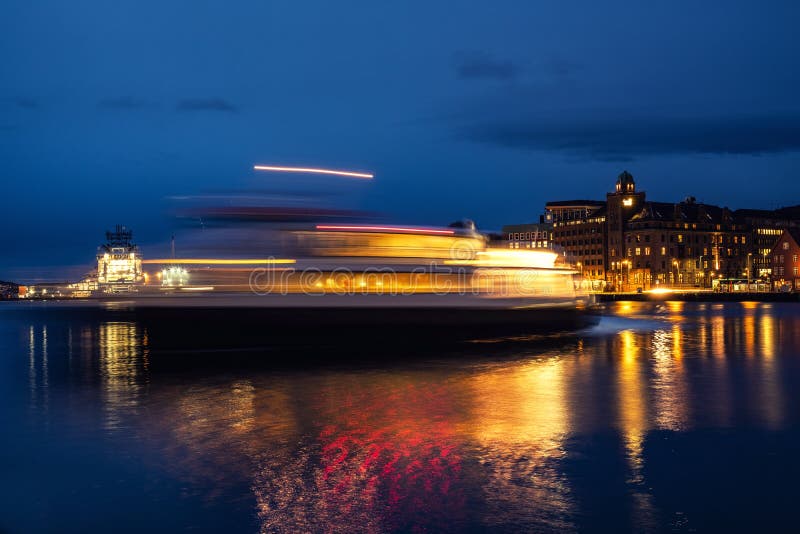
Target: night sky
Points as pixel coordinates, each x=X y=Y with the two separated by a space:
x=472 y=109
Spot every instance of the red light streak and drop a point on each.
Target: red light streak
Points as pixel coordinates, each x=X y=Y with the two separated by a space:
x=386 y=229
x=313 y=171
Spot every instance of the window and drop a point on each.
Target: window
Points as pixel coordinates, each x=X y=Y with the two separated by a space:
x=663 y=251
x=785 y=245
x=794 y=258
x=638 y=251
x=646 y=251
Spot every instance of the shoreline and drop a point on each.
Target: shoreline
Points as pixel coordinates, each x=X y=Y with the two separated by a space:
x=699 y=296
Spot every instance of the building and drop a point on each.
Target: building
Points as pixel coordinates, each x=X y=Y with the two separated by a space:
x=530 y=235
x=621 y=205
x=9 y=290
x=766 y=226
x=629 y=242
x=784 y=260
x=683 y=244
x=579 y=233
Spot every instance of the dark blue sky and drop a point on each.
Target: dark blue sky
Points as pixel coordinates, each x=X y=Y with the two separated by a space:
x=462 y=109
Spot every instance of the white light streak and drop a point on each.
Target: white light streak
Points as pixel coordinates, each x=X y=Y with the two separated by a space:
x=312 y=170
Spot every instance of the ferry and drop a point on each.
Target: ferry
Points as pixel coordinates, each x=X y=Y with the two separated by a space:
x=341 y=281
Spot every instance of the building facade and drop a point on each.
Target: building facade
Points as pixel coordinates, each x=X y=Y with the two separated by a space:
x=784 y=259
x=531 y=235
x=629 y=242
x=579 y=234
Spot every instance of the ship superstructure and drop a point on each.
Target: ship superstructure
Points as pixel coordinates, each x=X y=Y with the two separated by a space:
x=119 y=263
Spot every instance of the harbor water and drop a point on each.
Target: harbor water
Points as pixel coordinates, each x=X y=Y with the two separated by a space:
x=665 y=416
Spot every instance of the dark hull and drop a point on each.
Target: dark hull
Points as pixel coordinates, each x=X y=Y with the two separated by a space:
x=208 y=328
x=208 y=336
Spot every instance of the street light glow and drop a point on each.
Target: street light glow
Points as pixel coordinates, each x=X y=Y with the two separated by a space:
x=311 y=170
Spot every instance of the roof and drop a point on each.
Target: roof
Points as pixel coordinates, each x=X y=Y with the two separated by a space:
x=576 y=203
x=794 y=233
x=686 y=211
x=527 y=227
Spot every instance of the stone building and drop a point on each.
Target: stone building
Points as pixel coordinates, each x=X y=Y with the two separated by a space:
x=683 y=244
x=629 y=242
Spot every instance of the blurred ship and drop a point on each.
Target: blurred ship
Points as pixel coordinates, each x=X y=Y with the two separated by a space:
x=251 y=272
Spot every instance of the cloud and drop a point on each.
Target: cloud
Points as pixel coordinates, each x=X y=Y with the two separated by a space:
x=123 y=102
x=623 y=138
x=206 y=104
x=482 y=66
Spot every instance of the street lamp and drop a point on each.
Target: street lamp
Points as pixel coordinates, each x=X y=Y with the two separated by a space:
x=749 y=268
x=702 y=272
x=627 y=279
x=676 y=264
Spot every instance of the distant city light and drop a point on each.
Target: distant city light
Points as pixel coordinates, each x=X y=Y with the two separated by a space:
x=403 y=229
x=313 y=171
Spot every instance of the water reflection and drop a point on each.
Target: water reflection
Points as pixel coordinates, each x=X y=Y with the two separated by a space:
x=123 y=361
x=484 y=441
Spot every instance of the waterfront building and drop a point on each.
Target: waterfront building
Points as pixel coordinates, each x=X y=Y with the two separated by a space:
x=529 y=235
x=784 y=260
x=579 y=232
x=683 y=244
x=8 y=290
x=766 y=226
x=621 y=205
x=629 y=242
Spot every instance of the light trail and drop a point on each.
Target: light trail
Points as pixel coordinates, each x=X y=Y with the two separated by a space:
x=403 y=229
x=198 y=288
x=313 y=171
x=217 y=261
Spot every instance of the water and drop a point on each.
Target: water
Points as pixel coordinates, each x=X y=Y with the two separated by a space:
x=663 y=417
